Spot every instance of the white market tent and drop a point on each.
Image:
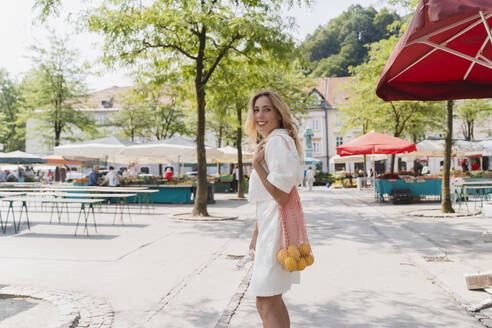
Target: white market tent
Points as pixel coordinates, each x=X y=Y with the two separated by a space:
x=435 y=148
x=108 y=148
x=163 y=152
x=229 y=155
x=20 y=157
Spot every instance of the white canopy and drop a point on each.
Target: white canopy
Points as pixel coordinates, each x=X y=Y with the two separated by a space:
x=109 y=147
x=435 y=148
x=164 y=152
x=19 y=157
x=229 y=155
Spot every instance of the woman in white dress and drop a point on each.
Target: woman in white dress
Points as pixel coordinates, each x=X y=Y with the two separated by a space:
x=276 y=170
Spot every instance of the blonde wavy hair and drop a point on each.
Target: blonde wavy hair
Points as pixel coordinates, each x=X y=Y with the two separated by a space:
x=287 y=121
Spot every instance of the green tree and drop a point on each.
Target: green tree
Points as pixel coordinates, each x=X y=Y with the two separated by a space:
x=341 y=43
x=133 y=117
x=53 y=89
x=471 y=111
x=12 y=131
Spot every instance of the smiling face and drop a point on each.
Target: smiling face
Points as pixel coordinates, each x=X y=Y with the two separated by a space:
x=266 y=116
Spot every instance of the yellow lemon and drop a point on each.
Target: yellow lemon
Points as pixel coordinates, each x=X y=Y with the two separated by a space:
x=305 y=249
x=301 y=264
x=290 y=263
x=309 y=260
x=294 y=252
x=281 y=255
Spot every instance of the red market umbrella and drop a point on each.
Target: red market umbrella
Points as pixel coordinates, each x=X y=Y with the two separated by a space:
x=445 y=54
x=375 y=143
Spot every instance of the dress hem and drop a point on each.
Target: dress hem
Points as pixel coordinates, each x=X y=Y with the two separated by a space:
x=270 y=293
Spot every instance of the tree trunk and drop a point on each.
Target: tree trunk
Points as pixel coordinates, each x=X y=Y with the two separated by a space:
x=200 y=205
x=446 y=194
x=240 y=183
x=57 y=137
x=365 y=165
x=392 y=168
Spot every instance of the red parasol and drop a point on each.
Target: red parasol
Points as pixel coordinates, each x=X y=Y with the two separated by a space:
x=446 y=53
x=375 y=143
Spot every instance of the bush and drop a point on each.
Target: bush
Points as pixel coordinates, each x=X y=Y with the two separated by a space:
x=321 y=179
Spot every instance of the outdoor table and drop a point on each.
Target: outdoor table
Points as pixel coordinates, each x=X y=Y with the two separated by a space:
x=144 y=195
x=10 y=194
x=11 y=209
x=481 y=191
x=120 y=204
x=86 y=207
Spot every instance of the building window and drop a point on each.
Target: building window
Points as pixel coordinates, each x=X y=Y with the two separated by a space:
x=338 y=119
x=315 y=125
x=339 y=140
x=316 y=146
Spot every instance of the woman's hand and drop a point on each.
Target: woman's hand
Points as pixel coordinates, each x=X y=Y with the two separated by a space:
x=259 y=154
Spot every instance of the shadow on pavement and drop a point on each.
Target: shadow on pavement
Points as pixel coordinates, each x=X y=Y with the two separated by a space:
x=67 y=236
x=11 y=306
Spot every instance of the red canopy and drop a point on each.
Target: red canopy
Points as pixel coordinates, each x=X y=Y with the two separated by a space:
x=375 y=143
x=446 y=53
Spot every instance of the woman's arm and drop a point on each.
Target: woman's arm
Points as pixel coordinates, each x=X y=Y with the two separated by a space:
x=278 y=195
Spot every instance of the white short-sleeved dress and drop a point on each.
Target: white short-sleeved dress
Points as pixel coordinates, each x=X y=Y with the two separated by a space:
x=284 y=172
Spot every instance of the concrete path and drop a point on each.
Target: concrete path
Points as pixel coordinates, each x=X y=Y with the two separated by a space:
x=375 y=266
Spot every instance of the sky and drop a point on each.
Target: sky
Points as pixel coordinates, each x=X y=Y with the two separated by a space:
x=17 y=33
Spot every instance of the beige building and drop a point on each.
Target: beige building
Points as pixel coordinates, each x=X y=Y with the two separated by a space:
x=324 y=118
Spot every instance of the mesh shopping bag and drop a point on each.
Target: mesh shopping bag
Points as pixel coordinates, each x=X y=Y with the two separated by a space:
x=295 y=253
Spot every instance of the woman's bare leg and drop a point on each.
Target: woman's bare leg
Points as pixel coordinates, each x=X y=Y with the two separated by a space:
x=286 y=313
x=273 y=312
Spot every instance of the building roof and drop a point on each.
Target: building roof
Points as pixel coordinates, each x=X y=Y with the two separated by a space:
x=332 y=89
x=115 y=93
x=112 y=98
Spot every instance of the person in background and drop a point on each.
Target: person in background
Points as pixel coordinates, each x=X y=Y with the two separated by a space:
x=131 y=173
x=464 y=165
x=168 y=174
x=475 y=166
x=11 y=177
x=63 y=174
x=3 y=175
x=235 y=178
x=417 y=168
x=112 y=177
x=425 y=170
x=310 y=178
x=93 y=176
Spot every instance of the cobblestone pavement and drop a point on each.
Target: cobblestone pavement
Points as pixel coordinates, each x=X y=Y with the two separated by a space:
x=74 y=309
